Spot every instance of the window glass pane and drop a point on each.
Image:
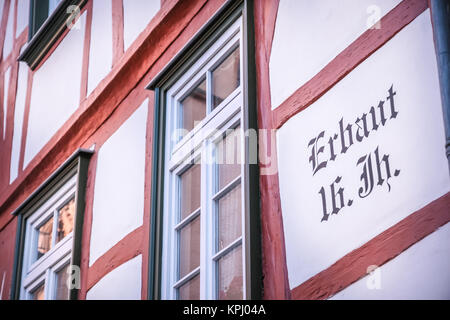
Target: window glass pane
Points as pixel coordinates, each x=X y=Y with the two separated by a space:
x=62 y=290
x=230 y=275
x=228 y=157
x=65 y=220
x=189 y=247
x=194 y=106
x=226 y=78
x=190 y=190
x=190 y=290
x=229 y=217
x=45 y=238
x=38 y=293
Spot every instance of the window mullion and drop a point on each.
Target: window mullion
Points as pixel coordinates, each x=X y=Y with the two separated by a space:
x=244 y=197
x=187 y=278
x=47 y=285
x=174 y=247
x=187 y=220
x=236 y=243
x=230 y=186
x=52 y=283
x=212 y=229
x=203 y=224
x=208 y=92
x=55 y=227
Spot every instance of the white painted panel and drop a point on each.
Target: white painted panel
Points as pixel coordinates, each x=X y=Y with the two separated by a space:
x=55 y=91
x=420 y=272
x=309 y=34
x=6 y=76
x=414 y=141
x=9 y=36
x=23 y=13
x=119 y=185
x=137 y=14
x=100 y=54
x=123 y=283
x=52 y=4
x=22 y=83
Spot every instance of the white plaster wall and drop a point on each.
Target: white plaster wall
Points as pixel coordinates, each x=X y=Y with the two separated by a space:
x=22 y=82
x=55 y=91
x=420 y=272
x=23 y=13
x=100 y=53
x=123 y=283
x=414 y=140
x=6 y=76
x=137 y=14
x=119 y=185
x=309 y=34
x=9 y=36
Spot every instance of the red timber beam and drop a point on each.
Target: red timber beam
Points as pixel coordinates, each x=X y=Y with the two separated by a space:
x=348 y=59
x=384 y=247
x=276 y=285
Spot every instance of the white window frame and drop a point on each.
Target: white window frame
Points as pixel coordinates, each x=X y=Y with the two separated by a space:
x=199 y=144
x=43 y=270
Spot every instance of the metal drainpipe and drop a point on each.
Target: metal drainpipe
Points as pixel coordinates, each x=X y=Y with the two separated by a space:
x=440 y=15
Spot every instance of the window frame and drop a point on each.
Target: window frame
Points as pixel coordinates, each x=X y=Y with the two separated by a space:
x=44 y=30
x=66 y=183
x=59 y=254
x=198 y=144
x=218 y=25
x=38 y=15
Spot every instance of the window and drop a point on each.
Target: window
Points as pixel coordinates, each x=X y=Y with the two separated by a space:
x=204 y=185
x=49 y=231
x=48 y=21
x=40 y=11
x=48 y=245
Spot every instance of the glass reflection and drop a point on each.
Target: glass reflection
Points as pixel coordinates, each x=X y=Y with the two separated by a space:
x=226 y=78
x=190 y=290
x=190 y=190
x=229 y=217
x=65 y=220
x=230 y=275
x=189 y=247
x=228 y=157
x=62 y=290
x=45 y=238
x=38 y=293
x=194 y=106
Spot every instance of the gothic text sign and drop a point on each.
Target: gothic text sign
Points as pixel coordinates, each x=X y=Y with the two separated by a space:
x=376 y=167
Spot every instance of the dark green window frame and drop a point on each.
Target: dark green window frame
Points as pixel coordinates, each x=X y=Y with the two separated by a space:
x=77 y=165
x=38 y=15
x=160 y=84
x=44 y=30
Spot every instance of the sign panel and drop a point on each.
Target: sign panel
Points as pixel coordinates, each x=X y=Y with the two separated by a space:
x=365 y=155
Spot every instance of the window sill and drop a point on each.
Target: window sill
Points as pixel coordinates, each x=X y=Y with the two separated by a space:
x=47 y=35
